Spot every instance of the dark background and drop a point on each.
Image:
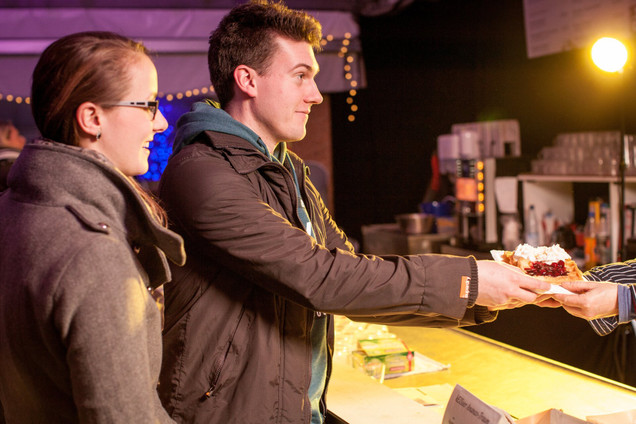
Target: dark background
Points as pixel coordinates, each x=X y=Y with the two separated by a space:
x=436 y=63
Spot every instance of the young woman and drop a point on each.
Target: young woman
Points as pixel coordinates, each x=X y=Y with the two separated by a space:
x=81 y=245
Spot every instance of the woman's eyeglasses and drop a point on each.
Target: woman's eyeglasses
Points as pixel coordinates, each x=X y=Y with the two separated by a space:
x=152 y=106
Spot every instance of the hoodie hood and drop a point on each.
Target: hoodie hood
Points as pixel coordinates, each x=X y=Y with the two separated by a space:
x=208 y=116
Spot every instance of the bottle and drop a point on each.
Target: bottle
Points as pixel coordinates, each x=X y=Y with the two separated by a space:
x=589 y=247
x=549 y=224
x=510 y=232
x=603 y=251
x=532 y=227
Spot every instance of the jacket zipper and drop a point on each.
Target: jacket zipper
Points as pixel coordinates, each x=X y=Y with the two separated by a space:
x=311 y=318
x=291 y=186
x=218 y=364
x=282 y=359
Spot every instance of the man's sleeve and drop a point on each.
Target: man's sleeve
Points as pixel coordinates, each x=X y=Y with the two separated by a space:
x=625 y=274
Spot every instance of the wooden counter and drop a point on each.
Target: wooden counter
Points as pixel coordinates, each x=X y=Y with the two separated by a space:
x=514 y=380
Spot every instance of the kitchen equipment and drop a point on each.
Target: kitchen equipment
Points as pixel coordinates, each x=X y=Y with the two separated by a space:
x=482 y=160
x=497 y=139
x=389 y=239
x=415 y=223
x=479 y=209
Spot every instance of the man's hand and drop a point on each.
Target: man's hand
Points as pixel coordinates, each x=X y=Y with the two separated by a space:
x=592 y=299
x=503 y=286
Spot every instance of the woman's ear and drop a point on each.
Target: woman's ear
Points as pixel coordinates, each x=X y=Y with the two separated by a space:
x=245 y=78
x=89 y=120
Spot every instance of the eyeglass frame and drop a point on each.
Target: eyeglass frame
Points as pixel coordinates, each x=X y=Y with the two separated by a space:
x=151 y=105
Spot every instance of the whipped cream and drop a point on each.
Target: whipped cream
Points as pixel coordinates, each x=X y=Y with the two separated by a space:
x=552 y=254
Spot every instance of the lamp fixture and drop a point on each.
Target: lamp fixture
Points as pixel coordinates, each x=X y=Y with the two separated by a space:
x=609 y=54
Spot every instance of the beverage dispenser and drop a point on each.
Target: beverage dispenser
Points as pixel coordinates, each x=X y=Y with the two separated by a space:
x=479 y=218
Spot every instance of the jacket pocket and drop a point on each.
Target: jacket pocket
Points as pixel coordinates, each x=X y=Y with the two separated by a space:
x=219 y=363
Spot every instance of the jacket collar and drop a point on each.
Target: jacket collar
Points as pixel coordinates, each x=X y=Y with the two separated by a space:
x=242 y=154
x=85 y=183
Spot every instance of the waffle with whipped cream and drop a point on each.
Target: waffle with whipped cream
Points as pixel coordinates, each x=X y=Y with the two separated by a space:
x=551 y=264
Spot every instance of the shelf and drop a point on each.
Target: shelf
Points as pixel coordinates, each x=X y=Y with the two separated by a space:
x=555 y=193
x=576 y=178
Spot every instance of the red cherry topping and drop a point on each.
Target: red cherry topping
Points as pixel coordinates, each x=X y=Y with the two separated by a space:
x=555 y=269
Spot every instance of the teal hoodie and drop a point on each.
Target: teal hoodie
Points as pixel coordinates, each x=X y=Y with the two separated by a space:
x=208 y=116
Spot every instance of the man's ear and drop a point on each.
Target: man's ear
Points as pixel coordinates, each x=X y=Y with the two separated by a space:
x=245 y=79
x=89 y=120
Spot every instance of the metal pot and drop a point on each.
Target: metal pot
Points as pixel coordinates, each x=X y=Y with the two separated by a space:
x=415 y=223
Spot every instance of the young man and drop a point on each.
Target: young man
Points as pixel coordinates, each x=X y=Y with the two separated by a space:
x=248 y=333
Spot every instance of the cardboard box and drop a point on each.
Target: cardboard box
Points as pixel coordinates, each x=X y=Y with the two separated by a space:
x=379 y=357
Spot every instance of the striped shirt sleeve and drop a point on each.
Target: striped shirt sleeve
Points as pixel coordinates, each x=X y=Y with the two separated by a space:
x=625 y=274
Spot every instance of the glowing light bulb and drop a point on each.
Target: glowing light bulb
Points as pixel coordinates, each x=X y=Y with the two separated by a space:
x=609 y=54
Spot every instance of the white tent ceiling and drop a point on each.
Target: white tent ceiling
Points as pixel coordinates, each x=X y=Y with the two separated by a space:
x=178 y=37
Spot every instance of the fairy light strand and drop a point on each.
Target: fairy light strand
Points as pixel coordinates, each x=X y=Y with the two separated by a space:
x=343 y=52
x=162 y=143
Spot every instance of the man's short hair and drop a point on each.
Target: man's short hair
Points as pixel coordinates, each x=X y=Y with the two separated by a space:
x=246 y=36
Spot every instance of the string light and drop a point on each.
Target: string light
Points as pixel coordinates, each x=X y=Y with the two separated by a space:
x=161 y=147
x=343 y=52
x=17 y=99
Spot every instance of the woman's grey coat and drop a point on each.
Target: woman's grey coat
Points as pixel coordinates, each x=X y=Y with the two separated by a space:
x=80 y=333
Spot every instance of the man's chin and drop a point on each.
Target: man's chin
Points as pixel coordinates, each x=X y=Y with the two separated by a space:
x=297 y=137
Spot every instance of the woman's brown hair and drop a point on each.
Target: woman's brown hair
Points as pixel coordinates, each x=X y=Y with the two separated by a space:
x=78 y=68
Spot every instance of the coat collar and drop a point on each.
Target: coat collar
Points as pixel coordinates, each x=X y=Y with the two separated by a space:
x=85 y=183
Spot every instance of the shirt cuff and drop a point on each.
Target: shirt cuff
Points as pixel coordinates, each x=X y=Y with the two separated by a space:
x=625 y=305
x=473 y=288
